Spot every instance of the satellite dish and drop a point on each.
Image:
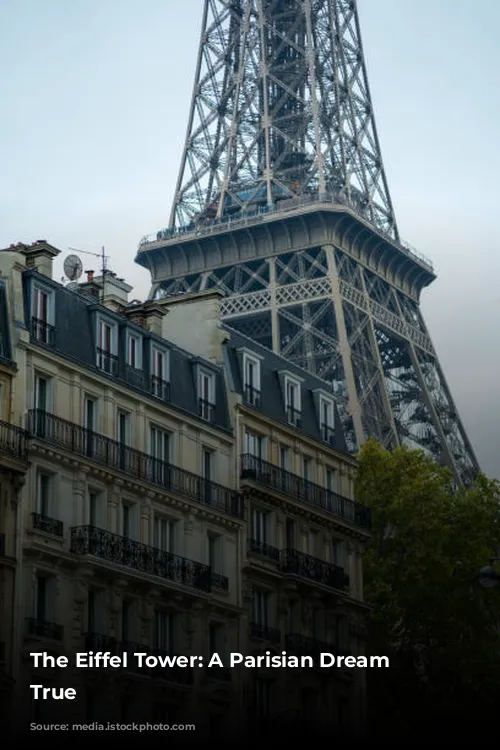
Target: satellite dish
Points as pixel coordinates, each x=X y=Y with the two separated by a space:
x=73 y=267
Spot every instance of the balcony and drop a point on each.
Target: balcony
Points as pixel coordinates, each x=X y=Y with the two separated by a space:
x=13 y=441
x=43 y=629
x=42 y=332
x=160 y=388
x=220 y=582
x=47 y=525
x=301 y=645
x=115 y=455
x=276 y=478
x=263 y=550
x=251 y=396
x=89 y=540
x=299 y=564
x=206 y=410
x=264 y=633
x=107 y=362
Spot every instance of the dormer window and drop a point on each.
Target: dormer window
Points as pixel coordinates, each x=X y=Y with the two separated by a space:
x=293 y=401
x=327 y=420
x=134 y=351
x=107 y=346
x=42 y=315
x=206 y=395
x=160 y=376
x=251 y=379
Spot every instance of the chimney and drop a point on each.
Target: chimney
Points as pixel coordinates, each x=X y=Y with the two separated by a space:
x=90 y=276
x=194 y=322
x=149 y=315
x=40 y=256
x=115 y=291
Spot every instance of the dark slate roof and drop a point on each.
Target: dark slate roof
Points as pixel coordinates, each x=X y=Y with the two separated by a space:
x=272 y=402
x=74 y=339
x=5 y=346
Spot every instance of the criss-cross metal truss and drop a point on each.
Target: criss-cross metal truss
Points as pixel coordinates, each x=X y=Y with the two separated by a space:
x=281 y=108
x=282 y=204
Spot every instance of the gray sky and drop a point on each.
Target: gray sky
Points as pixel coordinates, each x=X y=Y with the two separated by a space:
x=94 y=98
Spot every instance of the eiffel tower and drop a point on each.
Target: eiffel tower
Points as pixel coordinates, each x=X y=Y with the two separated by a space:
x=282 y=203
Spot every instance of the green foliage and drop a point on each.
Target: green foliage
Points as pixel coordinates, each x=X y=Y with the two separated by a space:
x=430 y=616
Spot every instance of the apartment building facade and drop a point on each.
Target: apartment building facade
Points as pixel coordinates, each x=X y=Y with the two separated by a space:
x=179 y=490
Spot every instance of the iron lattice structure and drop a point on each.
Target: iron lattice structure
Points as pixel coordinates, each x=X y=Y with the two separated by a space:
x=282 y=204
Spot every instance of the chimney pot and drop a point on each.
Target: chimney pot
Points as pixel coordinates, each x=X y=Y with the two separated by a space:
x=90 y=276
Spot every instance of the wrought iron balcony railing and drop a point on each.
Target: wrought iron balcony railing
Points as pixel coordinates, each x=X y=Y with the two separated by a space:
x=99 y=642
x=115 y=455
x=302 y=645
x=263 y=549
x=89 y=540
x=301 y=565
x=48 y=525
x=251 y=396
x=13 y=441
x=206 y=410
x=160 y=388
x=107 y=362
x=264 y=633
x=279 y=479
x=42 y=332
x=220 y=582
x=43 y=629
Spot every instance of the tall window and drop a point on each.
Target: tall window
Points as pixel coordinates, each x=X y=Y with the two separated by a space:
x=326 y=411
x=90 y=424
x=106 y=347
x=285 y=457
x=127 y=513
x=42 y=318
x=251 y=380
x=215 y=552
x=259 y=525
x=164 y=534
x=164 y=631
x=41 y=598
x=208 y=490
x=339 y=555
x=206 y=395
x=307 y=468
x=290 y=533
x=94 y=515
x=159 y=449
x=42 y=393
x=123 y=438
x=159 y=373
x=216 y=639
x=292 y=397
x=134 y=358
x=293 y=616
x=254 y=445
x=260 y=608
x=43 y=495
x=126 y=620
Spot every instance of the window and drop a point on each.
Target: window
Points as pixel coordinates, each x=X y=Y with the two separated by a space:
x=45 y=599
x=123 y=438
x=159 y=374
x=164 y=534
x=341 y=636
x=42 y=316
x=338 y=551
x=95 y=612
x=206 y=395
x=259 y=525
x=208 y=491
x=293 y=616
x=251 y=369
x=128 y=521
x=312 y=543
x=163 y=631
x=284 y=457
x=215 y=553
x=290 y=533
x=216 y=639
x=292 y=401
x=159 y=450
x=94 y=509
x=307 y=468
x=90 y=424
x=260 y=608
x=42 y=393
x=107 y=361
x=331 y=480
x=254 y=445
x=126 y=629
x=134 y=353
x=262 y=699
x=43 y=495
x=326 y=418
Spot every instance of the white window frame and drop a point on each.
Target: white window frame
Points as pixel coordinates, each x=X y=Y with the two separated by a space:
x=209 y=377
x=164 y=533
x=256 y=439
x=102 y=351
x=49 y=293
x=137 y=342
x=291 y=382
x=159 y=354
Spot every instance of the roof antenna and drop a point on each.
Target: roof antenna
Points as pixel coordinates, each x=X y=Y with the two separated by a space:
x=104 y=265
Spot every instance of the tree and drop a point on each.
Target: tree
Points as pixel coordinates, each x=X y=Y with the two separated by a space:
x=438 y=627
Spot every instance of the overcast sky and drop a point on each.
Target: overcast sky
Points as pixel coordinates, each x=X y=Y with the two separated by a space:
x=94 y=98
